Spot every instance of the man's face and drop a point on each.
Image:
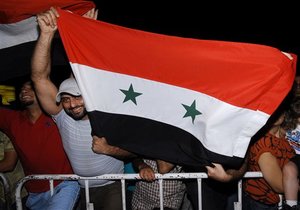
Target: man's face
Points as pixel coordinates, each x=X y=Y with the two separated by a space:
x=73 y=106
x=27 y=95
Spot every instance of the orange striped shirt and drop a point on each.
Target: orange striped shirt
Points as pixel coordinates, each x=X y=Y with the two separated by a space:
x=258 y=188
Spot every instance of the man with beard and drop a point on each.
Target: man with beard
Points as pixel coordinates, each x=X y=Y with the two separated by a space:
x=66 y=105
x=38 y=144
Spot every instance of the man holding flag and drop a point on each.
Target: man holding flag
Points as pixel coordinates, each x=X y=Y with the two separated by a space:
x=206 y=105
x=72 y=120
x=182 y=100
x=186 y=101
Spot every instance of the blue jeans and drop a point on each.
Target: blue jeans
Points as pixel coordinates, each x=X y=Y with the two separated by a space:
x=250 y=204
x=64 y=197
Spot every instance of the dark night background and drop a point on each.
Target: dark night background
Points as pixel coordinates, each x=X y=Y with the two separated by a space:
x=273 y=24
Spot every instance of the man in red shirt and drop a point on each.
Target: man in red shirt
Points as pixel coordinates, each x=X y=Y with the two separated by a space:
x=38 y=144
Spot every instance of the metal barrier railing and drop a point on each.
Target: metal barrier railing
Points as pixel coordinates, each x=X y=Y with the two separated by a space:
x=6 y=190
x=123 y=178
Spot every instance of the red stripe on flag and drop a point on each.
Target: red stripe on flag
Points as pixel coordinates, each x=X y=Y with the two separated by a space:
x=252 y=76
x=13 y=11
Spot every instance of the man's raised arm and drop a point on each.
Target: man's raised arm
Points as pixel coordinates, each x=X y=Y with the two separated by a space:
x=41 y=59
x=41 y=62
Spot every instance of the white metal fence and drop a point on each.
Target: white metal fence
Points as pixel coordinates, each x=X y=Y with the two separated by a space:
x=123 y=178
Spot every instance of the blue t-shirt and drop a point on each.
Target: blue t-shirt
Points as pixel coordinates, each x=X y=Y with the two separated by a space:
x=128 y=169
x=293 y=138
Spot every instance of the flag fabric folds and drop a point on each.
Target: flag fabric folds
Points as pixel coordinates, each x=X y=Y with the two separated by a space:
x=17 y=18
x=13 y=11
x=19 y=31
x=183 y=100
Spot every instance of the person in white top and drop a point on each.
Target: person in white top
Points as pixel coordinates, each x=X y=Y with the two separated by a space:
x=67 y=107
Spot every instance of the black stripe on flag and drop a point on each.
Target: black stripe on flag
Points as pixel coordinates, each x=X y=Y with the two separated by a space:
x=156 y=140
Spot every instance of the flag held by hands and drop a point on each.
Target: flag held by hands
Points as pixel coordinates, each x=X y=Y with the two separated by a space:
x=19 y=31
x=183 y=100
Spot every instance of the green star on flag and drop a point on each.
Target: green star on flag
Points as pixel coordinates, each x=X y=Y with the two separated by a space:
x=130 y=94
x=191 y=111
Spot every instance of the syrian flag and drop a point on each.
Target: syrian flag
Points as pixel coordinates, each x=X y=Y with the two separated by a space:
x=19 y=31
x=187 y=101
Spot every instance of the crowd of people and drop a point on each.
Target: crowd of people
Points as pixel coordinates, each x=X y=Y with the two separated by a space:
x=51 y=134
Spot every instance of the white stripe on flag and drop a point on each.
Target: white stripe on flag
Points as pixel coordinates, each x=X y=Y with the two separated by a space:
x=214 y=122
x=18 y=33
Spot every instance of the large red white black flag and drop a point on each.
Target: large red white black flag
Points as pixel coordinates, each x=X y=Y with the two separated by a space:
x=183 y=100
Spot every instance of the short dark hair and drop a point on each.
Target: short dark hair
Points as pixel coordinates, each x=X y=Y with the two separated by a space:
x=292 y=114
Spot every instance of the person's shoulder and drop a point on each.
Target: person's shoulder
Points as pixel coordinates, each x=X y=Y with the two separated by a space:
x=3 y=136
x=9 y=113
x=3 y=139
x=60 y=115
x=266 y=139
x=7 y=109
x=263 y=144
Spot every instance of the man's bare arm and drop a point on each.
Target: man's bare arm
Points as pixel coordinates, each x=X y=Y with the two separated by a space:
x=218 y=173
x=41 y=59
x=100 y=146
x=41 y=62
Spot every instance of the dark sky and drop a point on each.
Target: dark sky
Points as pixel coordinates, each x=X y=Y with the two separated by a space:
x=273 y=24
